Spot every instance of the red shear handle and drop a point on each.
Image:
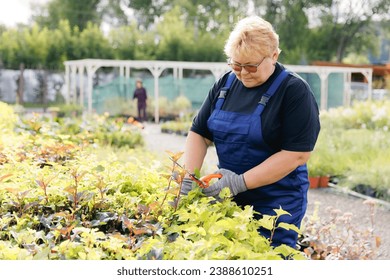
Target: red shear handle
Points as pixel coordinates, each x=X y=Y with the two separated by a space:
x=207 y=178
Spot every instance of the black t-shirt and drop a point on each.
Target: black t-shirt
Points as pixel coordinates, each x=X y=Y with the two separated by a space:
x=290 y=121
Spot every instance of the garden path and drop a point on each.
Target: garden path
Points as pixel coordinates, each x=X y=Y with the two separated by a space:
x=326 y=198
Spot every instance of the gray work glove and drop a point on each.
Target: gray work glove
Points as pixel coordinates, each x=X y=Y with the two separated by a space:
x=186 y=187
x=230 y=180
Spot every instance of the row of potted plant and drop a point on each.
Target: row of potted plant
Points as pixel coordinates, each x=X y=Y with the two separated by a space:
x=353 y=147
x=176 y=127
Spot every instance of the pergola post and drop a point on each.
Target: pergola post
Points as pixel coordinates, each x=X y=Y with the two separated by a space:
x=67 y=82
x=324 y=89
x=81 y=84
x=347 y=89
x=156 y=71
x=91 y=69
x=368 y=75
x=73 y=85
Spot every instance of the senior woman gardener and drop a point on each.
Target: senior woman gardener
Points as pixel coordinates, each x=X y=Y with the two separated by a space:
x=264 y=122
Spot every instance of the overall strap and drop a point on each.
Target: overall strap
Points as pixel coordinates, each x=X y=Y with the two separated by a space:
x=224 y=90
x=272 y=89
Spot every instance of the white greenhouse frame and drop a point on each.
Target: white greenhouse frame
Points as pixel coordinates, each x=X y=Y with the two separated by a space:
x=75 y=70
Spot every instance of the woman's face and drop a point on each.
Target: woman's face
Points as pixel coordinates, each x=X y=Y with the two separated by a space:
x=265 y=68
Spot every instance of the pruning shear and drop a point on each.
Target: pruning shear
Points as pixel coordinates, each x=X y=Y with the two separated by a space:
x=203 y=182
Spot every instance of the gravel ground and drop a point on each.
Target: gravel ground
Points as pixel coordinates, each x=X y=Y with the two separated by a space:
x=325 y=197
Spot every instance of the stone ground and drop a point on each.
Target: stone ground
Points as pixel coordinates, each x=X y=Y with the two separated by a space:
x=325 y=197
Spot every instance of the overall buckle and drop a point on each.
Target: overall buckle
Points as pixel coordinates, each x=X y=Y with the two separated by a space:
x=264 y=99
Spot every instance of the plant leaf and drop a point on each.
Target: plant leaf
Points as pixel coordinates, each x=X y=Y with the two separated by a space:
x=5 y=176
x=279 y=212
x=267 y=222
x=174 y=156
x=289 y=227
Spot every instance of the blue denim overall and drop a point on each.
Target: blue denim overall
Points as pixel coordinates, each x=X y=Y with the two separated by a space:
x=240 y=146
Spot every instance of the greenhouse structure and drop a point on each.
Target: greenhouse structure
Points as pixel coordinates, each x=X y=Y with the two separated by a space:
x=331 y=85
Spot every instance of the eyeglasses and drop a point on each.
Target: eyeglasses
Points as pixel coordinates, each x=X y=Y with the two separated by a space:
x=251 y=68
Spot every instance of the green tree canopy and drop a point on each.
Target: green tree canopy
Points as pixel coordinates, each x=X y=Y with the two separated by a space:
x=191 y=30
x=77 y=12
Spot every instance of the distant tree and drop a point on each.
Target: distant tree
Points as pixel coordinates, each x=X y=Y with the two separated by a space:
x=146 y=11
x=206 y=16
x=292 y=25
x=179 y=39
x=77 y=12
x=3 y=28
x=124 y=41
x=113 y=13
x=191 y=30
x=92 y=43
x=146 y=48
x=32 y=46
x=345 y=26
x=62 y=46
x=174 y=42
x=322 y=29
x=209 y=47
x=9 y=48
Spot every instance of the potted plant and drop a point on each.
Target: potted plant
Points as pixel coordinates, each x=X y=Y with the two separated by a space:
x=314 y=171
x=323 y=163
x=326 y=169
x=321 y=166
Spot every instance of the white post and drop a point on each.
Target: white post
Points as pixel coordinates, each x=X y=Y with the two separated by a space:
x=156 y=71
x=347 y=90
x=73 y=91
x=81 y=85
x=324 y=89
x=67 y=81
x=368 y=75
x=127 y=79
x=90 y=71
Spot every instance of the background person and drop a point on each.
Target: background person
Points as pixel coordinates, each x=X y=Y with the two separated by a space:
x=141 y=96
x=264 y=122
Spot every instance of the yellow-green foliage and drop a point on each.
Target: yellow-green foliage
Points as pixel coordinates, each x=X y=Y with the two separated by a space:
x=63 y=200
x=181 y=104
x=7 y=118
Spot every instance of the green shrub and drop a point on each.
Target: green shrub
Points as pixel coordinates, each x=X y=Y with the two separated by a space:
x=70 y=110
x=7 y=118
x=88 y=208
x=354 y=145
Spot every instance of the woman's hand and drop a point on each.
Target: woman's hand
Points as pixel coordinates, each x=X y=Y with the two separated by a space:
x=231 y=180
x=186 y=186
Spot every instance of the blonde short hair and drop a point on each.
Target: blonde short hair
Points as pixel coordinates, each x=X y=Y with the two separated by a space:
x=252 y=35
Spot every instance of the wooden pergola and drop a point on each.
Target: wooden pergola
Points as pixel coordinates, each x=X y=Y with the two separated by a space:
x=75 y=70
